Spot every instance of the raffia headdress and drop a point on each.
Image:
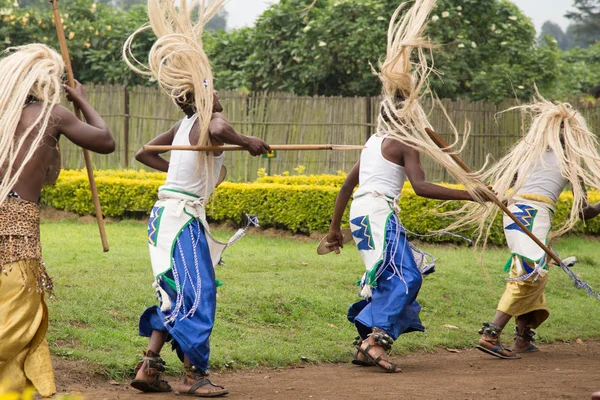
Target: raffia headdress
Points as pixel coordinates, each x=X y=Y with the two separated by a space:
x=404 y=74
x=177 y=60
x=557 y=127
x=32 y=71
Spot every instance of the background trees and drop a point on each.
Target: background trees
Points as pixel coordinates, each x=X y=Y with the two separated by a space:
x=487 y=49
x=95 y=34
x=586 y=20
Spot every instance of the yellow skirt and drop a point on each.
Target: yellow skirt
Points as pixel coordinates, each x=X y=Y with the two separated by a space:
x=24 y=354
x=525 y=297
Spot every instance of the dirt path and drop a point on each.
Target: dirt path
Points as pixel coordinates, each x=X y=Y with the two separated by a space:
x=559 y=371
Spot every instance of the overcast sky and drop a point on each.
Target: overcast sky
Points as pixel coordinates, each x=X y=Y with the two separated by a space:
x=244 y=12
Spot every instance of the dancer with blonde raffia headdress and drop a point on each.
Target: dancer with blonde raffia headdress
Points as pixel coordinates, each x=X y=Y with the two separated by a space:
x=30 y=92
x=182 y=251
x=393 y=278
x=558 y=149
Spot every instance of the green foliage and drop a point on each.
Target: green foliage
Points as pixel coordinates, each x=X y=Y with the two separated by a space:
x=95 y=34
x=488 y=51
x=579 y=71
x=228 y=54
x=298 y=208
x=117 y=195
x=487 y=48
x=299 y=203
x=6 y=6
x=319 y=50
x=318 y=180
x=554 y=30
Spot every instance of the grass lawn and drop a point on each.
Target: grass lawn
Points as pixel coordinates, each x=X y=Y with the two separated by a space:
x=281 y=303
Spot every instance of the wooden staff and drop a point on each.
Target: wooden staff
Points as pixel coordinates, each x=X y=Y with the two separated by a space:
x=86 y=154
x=277 y=147
x=441 y=143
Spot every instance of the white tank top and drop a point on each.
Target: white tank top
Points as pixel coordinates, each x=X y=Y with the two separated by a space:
x=545 y=178
x=184 y=174
x=378 y=174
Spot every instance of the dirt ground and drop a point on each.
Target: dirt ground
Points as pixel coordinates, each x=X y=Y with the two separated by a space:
x=558 y=371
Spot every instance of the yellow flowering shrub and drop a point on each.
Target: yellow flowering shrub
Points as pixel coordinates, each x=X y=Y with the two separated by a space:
x=318 y=180
x=298 y=203
x=120 y=173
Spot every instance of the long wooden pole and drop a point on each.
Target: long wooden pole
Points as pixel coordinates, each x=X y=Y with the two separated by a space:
x=86 y=154
x=277 y=147
x=441 y=143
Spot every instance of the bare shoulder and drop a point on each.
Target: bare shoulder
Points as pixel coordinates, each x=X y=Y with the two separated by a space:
x=58 y=114
x=218 y=123
x=60 y=111
x=61 y=117
x=396 y=149
x=218 y=115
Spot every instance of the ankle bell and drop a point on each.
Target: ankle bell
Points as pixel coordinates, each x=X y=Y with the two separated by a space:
x=196 y=372
x=527 y=335
x=382 y=338
x=490 y=329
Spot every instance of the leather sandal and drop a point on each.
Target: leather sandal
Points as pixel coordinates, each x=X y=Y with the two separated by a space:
x=490 y=342
x=528 y=336
x=154 y=366
x=200 y=379
x=199 y=384
x=362 y=363
x=377 y=361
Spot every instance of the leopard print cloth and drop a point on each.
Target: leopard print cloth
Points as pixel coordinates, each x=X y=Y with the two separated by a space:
x=20 y=240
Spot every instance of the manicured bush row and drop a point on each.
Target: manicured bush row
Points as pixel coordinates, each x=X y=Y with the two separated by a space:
x=116 y=173
x=320 y=180
x=71 y=192
x=301 y=208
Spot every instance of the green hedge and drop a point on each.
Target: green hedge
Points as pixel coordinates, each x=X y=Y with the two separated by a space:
x=303 y=208
x=319 y=180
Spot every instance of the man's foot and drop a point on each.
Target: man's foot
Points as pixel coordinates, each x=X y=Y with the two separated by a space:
x=524 y=341
x=359 y=358
x=374 y=349
x=195 y=383
x=362 y=360
x=489 y=342
x=147 y=374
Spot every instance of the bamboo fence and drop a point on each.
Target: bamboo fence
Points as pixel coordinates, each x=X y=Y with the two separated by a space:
x=137 y=115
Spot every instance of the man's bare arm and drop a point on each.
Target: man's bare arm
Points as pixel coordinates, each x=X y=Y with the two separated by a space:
x=223 y=132
x=152 y=158
x=341 y=201
x=94 y=134
x=416 y=176
x=589 y=211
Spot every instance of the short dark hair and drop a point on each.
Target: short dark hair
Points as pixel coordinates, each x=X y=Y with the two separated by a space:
x=398 y=99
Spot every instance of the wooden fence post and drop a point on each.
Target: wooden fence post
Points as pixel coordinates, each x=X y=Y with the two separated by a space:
x=369 y=118
x=126 y=125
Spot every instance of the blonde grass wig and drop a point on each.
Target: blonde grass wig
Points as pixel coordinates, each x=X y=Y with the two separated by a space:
x=404 y=74
x=177 y=60
x=33 y=71
x=556 y=127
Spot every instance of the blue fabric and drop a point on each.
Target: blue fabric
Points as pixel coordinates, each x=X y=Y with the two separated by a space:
x=393 y=306
x=190 y=335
